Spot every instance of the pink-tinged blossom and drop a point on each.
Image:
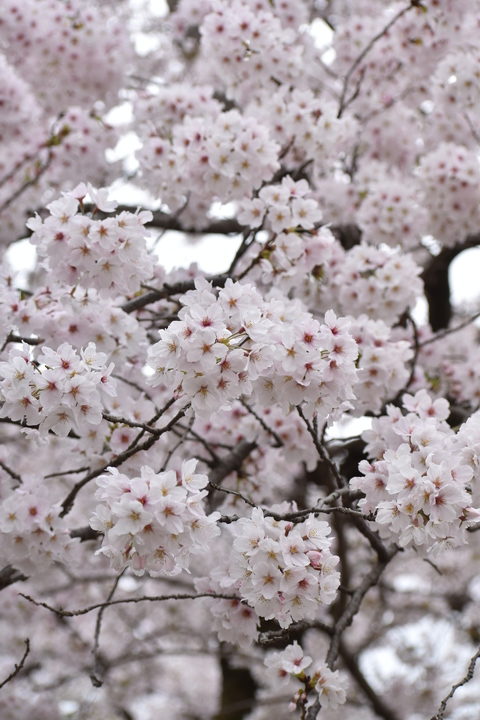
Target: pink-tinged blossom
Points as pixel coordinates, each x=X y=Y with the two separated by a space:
x=109 y=255
x=270 y=569
x=60 y=390
x=318 y=681
x=419 y=487
x=153 y=522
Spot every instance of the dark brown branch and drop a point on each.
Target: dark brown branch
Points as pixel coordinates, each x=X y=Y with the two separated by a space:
x=449 y=331
x=10 y=575
x=13 y=338
x=231 y=462
x=98 y=664
x=127 y=601
x=14 y=475
x=353 y=606
x=440 y=714
x=167 y=221
x=18 y=666
x=322 y=451
x=344 y=101
x=85 y=533
x=28 y=183
x=378 y=705
x=167 y=291
x=436 y=282
x=67 y=504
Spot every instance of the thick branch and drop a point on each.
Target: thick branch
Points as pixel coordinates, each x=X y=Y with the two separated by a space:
x=10 y=575
x=167 y=291
x=353 y=606
x=378 y=705
x=437 y=287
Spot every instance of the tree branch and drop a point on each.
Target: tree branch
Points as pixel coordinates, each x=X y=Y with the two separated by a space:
x=67 y=504
x=440 y=714
x=18 y=666
x=126 y=601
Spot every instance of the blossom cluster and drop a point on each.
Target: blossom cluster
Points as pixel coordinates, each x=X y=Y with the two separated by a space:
x=239 y=344
x=306 y=125
x=171 y=104
x=74 y=317
x=281 y=207
x=109 y=255
x=188 y=13
x=318 y=680
x=32 y=534
x=205 y=158
x=61 y=390
x=391 y=214
x=376 y=281
x=282 y=570
x=247 y=48
x=457 y=81
x=450 y=181
x=154 y=522
x=450 y=366
x=418 y=482
x=69 y=36
x=415 y=43
x=382 y=365
x=296 y=245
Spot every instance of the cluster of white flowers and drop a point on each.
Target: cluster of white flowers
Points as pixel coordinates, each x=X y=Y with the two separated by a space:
x=415 y=43
x=418 y=484
x=391 y=135
x=281 y=207
x=382 y=364
x=74 y=318
x=61 y=390
x=296 y=247
x=282 y=570
x=35 y=36
x=450 y=366
x=247 y=48
x=238 y=343
x=109 y=255
x=457 y=81
x=376 y=281
x=391 y=214
x=153 y=522
x=33 y=536
x=306 y=125
x=166 y=106
x=208 y=158
x=450 y=182
x=318 y=681
x=233 y=621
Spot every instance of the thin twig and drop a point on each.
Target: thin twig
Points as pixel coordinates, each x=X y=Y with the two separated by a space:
x=19 y=665
x=322 y=450
x=97 y=672
x=14 y=475
x=343 y=96
x=67 y=504
x=278 y=440
x=448 y=331
x=353 y=606
x=469 y=675
x=126 y=601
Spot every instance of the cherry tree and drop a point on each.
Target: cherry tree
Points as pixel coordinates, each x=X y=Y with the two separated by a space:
x=226 y=496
